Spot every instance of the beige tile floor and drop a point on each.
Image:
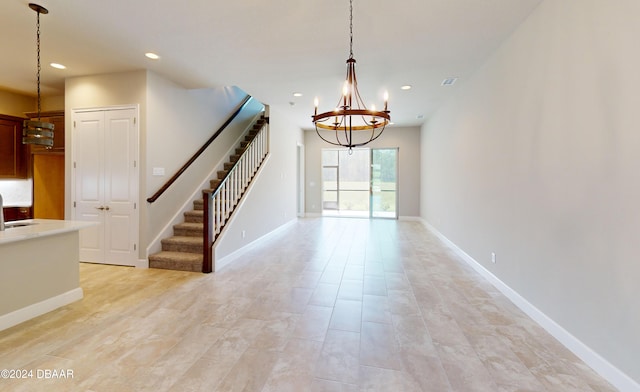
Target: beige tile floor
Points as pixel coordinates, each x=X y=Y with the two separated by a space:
x=327 y=304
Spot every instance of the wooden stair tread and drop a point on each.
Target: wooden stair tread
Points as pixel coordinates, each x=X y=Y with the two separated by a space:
x=170 y=255
x=183 y=239
x=190 y=225
x=177 y=261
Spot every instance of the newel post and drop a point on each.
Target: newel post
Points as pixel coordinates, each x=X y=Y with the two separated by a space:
x=207 y=232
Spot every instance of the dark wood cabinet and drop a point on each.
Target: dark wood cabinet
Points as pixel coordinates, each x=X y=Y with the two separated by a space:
x=17 y=213
x=13 y=154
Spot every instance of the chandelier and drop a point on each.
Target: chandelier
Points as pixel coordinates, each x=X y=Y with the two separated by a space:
x=351 y=114
x=38 y=132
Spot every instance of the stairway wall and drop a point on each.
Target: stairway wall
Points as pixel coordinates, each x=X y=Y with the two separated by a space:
x=271 y=203
x=179 y=122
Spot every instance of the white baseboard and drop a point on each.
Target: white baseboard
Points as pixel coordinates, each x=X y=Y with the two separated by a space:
x=226 y=260
x=142 y=263
x=27 y=313
x=603 y=367
x=410 y=218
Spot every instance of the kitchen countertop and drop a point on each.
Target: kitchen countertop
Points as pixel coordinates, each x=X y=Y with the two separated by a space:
x=32 y=228
x=17 y=204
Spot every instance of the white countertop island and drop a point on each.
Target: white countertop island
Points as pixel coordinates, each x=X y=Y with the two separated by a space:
x=39 y=268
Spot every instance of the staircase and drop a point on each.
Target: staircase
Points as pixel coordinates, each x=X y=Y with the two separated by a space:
x=184 y=250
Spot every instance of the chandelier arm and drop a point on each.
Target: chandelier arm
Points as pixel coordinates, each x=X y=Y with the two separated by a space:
x=364 y=143
x=329 y=141
x=359 y=101
x=348 y=136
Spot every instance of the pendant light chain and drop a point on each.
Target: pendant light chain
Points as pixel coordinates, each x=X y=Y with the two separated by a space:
x=350 y=29
x=38 y=132
x=38 y=45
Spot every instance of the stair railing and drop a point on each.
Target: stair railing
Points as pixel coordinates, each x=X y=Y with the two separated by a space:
x=219 y=203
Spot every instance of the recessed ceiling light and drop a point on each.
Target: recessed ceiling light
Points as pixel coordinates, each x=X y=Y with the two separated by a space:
x=58 y=66
x=297 y=94
x=448 y=81
x=152 y=56
x=405 y=87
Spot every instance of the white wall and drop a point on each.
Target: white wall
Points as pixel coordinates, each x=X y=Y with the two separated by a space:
x=537 y=160
x=127 y=88
x=271 y=202
x=406 y=139
x=14 y=104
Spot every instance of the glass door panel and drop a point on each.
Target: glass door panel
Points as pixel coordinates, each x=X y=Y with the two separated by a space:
x=330 y=188
x=354 y=182
x=384 y=180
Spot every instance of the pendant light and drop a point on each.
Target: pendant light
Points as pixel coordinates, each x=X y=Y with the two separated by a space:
x=38 y=132
x=351 y=115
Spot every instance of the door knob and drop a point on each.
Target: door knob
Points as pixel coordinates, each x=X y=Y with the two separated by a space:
x=100 y=208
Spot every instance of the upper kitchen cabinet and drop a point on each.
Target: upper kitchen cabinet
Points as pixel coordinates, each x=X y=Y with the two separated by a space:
x=13 y=154
x=56 y=117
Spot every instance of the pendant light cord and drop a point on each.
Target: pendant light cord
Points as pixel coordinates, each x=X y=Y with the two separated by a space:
x=38 y=45
x=350 y=29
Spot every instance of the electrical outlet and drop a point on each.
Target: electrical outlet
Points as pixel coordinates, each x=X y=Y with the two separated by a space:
x=244 y=233
x=493 y=257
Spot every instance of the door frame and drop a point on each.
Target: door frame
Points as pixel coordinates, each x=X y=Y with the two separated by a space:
x=300 y=199
x=73 y=158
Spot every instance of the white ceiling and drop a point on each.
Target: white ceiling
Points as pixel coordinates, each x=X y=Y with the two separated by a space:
x=270 y=49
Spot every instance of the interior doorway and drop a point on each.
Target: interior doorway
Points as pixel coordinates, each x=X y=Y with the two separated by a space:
x=360 y=183
x=300 y=207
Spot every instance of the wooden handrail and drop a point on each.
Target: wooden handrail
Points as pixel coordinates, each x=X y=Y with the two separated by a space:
x=195 y=156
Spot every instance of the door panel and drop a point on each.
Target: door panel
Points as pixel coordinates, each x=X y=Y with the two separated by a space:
x=384 y=180
x=89 y=170
x=121 y=187
x=354 y=182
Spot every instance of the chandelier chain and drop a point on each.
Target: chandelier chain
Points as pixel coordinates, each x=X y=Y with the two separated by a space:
x=38 y=46
x=350 y=29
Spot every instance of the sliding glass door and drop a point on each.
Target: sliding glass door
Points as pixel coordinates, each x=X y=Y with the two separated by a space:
x=384 y=183
x=362 y=183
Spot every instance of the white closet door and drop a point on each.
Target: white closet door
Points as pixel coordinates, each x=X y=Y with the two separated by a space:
x=89 y=183
x=107 y=184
